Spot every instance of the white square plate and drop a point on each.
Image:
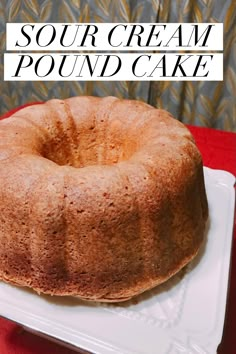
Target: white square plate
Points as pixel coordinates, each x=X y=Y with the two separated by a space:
x=184 y=315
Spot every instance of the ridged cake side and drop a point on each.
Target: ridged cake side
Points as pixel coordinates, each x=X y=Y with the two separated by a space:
x=99 y=197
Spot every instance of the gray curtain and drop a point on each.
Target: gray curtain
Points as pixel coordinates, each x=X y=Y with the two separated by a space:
x=210 y=104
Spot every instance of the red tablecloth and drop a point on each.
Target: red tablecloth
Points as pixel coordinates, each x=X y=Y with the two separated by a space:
x=219 y=151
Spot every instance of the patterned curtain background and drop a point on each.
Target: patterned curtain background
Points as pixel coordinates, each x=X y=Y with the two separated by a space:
x=211 y=104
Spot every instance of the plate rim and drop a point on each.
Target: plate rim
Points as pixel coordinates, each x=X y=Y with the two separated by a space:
x=88 y=343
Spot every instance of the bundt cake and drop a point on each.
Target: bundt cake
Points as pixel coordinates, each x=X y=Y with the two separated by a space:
x=100 y=198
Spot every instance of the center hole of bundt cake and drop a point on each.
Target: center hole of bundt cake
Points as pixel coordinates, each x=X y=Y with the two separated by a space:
x=89 y=149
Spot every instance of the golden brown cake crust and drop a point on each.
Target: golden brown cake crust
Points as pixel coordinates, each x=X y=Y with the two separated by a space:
x=100 y=198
